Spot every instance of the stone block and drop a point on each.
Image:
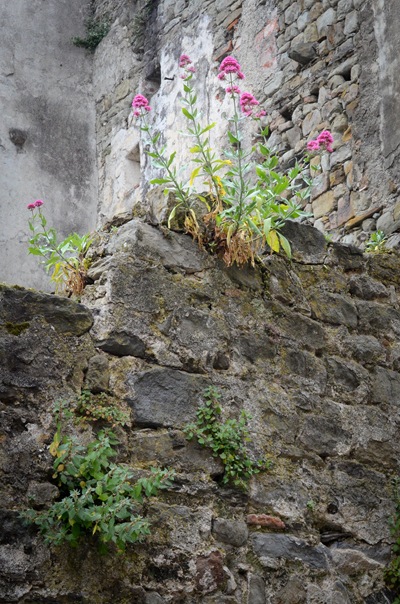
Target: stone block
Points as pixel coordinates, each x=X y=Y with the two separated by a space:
x=310 y=33
x=256 y=589
x=320 y=184
x=164 y=397
x=292 y=13
x=366 y=288
x=290 y=548
x=293 y=592
x=311 y=120
x=308 y=244
x=233 y=532
x=98 y=374
x=386 y=387
x=302 y=53
x=366 y=349
x=346 y=374
x=324 y=204
x=325 y=21
x=333 y=308
x=344 y=7
x=324 y=435
x=20 y=305
x=351 y=23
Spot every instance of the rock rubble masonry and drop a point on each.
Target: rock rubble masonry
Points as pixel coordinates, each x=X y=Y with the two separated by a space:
x=309 y=348
x=313 y=65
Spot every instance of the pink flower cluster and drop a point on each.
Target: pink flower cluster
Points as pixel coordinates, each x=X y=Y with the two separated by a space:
x=230 y=66
x=36 y=204
x=184 y=60
x=140 y=102
x=247 y=103
x=233 y=90
x=324 y=140
x=186 y=63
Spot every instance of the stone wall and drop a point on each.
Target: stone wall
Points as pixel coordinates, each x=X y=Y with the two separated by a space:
x=309 y=348
x=47 y=129
x=313 y=65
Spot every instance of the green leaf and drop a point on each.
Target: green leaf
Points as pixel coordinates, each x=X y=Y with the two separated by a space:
x=171 y=159
x=285 y=245
x=159 y=181
x=186 y=113
x=233 y=139
x=267 y=226
x=209 y=127
x=273 y=241
x=264 y=150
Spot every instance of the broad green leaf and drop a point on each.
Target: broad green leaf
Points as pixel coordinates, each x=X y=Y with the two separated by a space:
x=267 y=226
x=285 y=245
x=186 y=113
x=159 y=181
x=209 y=127
x=273 y=241
x=194 y=174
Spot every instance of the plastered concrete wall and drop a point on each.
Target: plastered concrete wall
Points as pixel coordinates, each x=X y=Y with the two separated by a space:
x=313 y=65
x=46 y=93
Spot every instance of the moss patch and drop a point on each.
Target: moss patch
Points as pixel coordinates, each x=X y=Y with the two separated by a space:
x=16 y=328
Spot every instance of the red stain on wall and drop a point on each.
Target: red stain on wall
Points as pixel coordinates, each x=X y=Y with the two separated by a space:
x=266 y=45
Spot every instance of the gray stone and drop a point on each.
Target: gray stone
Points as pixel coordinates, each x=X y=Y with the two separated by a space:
x=256 y=590
x=303 y=53
x=378 y=318
x=154 y=598
x=292 y=13
x=366 y=349
x=320 y=184
x=293 y=592
x=343 y=8
x=386 y=387
x=165 y=397
x=98 y=374
x=98 y=268
x=173 y=252
x=123 y=344
x=291 y=549
x=325 y=21
x=349 y=375
x=308 y=244
x=233 y=532
x=323 y=435
x=293 y=136
x=20 y=305
x=352 y=562
x=351 y=23
x=41 y=494
x=383 y=596
x=333 y=308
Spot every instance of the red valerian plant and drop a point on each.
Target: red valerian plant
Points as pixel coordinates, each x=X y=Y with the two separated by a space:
x=64 y=260
x=248 y=200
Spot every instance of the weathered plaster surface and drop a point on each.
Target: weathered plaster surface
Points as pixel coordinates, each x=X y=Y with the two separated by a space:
x=46 y=92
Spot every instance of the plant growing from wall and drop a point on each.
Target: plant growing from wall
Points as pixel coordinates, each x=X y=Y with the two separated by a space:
x=226 y=440
x=392 y=573
x=248 y=199
x=65 y=260
x=97 y=496
x=376 y=243
x=89 y=407
x=96 y=30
